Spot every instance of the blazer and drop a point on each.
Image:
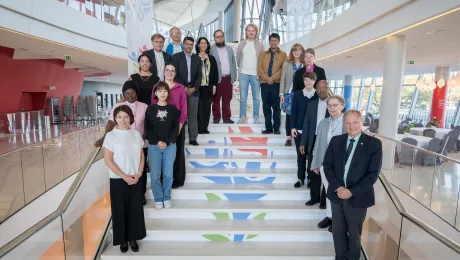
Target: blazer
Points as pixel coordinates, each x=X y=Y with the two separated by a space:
x=213 y=74
x=181 y=77
x=309 y=125
x=321 y=142
x=263 y=64
x=151 y=53
x=298 y=77
x=364 y=169
x=231 y=62
x=287 y=77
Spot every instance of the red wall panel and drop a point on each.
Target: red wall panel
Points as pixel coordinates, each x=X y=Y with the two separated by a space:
x=18 y=76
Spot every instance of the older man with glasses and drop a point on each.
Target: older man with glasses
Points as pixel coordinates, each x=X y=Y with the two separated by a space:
x=176 y=45
x=159 y=57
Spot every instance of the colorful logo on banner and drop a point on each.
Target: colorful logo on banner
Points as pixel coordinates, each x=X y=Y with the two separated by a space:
x=139 y=24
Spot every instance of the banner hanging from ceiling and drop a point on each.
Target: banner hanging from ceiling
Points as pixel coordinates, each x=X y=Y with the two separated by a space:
x=299 y=20
x=139 y=27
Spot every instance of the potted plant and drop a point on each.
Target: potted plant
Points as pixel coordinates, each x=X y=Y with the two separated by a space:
x=407 y=129
x=433 y=123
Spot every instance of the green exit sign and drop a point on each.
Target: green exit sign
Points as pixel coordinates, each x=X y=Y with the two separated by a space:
x=410 y=62
x=67 y=57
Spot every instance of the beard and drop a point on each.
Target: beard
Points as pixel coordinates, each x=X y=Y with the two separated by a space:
x=222 y=44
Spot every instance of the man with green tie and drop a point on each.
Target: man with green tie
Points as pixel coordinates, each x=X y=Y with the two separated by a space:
x=352 y=166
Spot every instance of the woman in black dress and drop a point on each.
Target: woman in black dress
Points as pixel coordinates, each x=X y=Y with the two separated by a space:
x=145 y=80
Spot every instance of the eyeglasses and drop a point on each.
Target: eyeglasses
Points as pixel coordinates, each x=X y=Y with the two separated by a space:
x=170 y=71
x=333 y=105
x=159 y=42
x=175 y=33
x=219 y=36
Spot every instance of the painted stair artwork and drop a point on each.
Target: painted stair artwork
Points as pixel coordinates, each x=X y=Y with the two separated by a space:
x=238 y=202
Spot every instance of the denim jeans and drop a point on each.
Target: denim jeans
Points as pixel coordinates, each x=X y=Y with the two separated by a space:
x=245 y=80
x=161 y=160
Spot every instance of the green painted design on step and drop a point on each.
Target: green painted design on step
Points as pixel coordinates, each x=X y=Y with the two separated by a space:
x=216 y=238
x=221 y=215
x=251 y=236
x=261 y=216
x=212 y=196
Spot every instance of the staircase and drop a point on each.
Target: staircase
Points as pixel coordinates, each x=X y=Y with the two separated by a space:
x=238 y=201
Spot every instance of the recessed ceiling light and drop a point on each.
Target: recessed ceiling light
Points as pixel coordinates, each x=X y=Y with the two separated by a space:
x=434 y=32
x=348 y=57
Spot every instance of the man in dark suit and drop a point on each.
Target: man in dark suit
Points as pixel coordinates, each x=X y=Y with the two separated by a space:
x=158 y=56
x=310 y=66
x=316 y=111
x=352 y=166
x=188 y=73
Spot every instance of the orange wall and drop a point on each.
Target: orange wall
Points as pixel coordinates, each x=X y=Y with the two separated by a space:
x=18 y=76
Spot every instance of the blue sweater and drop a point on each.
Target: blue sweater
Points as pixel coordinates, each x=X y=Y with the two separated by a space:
x=298 y=108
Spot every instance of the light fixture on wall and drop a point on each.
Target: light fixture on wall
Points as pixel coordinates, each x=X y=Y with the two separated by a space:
x=441 y=82
x=453 y=80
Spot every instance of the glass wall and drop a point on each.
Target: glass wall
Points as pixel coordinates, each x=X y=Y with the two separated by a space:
x=228 y=22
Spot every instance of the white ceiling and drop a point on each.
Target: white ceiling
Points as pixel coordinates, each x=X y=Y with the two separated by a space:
x=431 y=44
x=180 y=12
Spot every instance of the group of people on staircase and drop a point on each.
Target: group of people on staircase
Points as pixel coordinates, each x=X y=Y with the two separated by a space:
x=175 y=87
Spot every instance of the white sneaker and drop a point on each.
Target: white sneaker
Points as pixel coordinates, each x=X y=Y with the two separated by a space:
x=158 y=205
x=168 y=204
x=242 y=121
x=257 y=120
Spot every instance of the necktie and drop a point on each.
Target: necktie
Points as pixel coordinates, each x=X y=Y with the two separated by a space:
x=349 y=148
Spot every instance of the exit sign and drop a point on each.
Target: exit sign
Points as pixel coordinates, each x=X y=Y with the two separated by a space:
x=410 y=62
x=67 y=57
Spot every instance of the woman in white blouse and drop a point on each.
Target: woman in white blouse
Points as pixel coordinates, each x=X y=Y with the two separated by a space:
x=327 y=128
x=124 y=157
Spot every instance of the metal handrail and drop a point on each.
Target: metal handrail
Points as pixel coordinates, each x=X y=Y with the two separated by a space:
x=402 y=210
x=57 y=213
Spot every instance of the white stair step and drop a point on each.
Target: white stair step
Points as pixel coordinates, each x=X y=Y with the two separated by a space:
x=241 y=139
x=244 y=150
x=240 y=161
x=230 y=129
x=234 y=209
x=250 y=119
x=222 y=230
x=242 y=175
x=214 y=191
x=163 y=250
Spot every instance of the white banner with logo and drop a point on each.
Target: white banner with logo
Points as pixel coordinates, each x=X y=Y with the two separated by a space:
x=139 y=27
x=299 y=20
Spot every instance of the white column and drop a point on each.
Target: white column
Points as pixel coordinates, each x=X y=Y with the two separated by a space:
x=237 y=13
x=393 y=73
x=220 y=21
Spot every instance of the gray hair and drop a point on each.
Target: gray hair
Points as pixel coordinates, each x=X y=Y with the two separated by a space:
x=338 y=97
x=353 y=111
x=174 y=27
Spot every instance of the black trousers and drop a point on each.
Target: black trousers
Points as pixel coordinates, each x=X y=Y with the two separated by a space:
x=347 y=229
x=127 y=211
x=288 y=125
x=204 y=108
x=315 y=179
x=301 y=159
x=179 y=163
x=143 y=179
x=271 y=101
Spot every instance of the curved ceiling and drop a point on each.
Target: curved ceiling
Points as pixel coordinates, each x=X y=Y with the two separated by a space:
x=179 y=12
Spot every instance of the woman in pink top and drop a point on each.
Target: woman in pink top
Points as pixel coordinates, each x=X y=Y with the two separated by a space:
x=178 y=98
x=130 y=92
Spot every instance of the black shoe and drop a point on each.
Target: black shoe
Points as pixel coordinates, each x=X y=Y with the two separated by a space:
x=330 y=228
x=134 y=246
x=193 y=143
x=311 y=202
x=326 y=222
x=229 y=121
x=215 y=121
x=206 y=132
x=277 y=132
x=288 y=143
x=175 y=186
x=322 y=205
x=265 y=132
x=298 y=184
x=124 y=247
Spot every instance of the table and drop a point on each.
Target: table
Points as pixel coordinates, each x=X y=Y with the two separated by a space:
x=422 y=141
x=440 y=132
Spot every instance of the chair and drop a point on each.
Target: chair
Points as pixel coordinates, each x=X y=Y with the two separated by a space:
x=429 y=133
x=407 y=153
x=452 y=143
x=425 y=159
x=418 y=125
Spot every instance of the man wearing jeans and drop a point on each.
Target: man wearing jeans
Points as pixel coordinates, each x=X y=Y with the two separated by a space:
x=247 y=54
x=269 y=67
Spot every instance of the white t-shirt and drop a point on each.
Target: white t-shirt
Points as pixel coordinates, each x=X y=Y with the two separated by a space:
x=249 y=65
x=126 y=147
